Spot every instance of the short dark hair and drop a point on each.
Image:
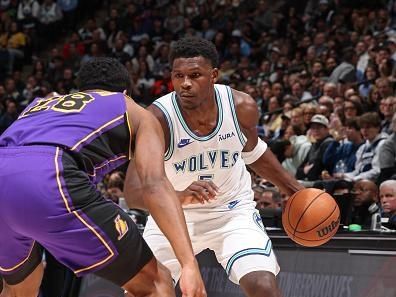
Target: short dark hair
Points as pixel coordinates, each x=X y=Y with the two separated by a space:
x=370 y=119
x=191 y=47
x=352 y=123
x=356 y=105
x=103 y=73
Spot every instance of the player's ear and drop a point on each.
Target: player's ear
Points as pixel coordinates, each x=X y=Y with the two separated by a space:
x=215 y=75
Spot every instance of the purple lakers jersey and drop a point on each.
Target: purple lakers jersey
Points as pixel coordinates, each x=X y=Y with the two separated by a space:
x=92 y=125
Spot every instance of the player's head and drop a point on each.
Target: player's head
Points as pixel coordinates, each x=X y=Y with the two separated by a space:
x=194 y=71
x=192 y=47
x=105 y=74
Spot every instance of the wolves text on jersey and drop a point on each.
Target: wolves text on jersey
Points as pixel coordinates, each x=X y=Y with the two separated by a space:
x=221 y=159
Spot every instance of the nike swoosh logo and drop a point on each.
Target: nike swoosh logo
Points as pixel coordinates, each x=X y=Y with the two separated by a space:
x=232 y=204
x=184 y=142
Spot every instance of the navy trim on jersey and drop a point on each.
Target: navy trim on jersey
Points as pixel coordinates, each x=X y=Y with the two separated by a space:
x=169 y=150
x=251 y=251
x=187 y=129
x=234 y=117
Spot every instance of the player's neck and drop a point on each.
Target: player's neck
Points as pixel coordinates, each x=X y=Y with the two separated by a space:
x=202 y=119
x=207 y=109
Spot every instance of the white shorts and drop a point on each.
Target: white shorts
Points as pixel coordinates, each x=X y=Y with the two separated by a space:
x=236 y=236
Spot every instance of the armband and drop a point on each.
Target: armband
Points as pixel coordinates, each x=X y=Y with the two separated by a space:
x=252 y=156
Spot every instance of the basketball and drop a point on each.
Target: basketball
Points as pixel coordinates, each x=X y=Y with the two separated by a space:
x=311 y=217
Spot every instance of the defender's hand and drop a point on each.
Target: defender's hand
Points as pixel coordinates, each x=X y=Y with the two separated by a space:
x=198 y=192
x=191 y=283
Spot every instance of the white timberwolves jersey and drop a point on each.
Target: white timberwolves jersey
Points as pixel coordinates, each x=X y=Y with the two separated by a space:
x=216 y=156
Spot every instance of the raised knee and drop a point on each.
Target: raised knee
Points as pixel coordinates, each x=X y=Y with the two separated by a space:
x=260 y=284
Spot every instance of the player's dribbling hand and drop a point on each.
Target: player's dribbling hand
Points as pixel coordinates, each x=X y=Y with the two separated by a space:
x=198 y=192
x=191 y=283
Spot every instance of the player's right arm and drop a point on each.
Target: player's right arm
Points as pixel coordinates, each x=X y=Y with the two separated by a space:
x=158 y=195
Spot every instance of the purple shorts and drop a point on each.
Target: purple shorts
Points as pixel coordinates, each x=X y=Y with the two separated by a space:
x=47 y=201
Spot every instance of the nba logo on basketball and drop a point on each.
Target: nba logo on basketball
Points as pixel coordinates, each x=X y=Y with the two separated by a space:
x=329 y=228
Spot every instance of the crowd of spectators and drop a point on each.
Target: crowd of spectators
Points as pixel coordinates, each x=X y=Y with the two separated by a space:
x=321 y=71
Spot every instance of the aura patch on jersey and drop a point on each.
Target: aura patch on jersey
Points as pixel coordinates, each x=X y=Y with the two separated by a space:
x=226 y=136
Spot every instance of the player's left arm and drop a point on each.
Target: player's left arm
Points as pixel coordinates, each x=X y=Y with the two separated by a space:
x=256 y=154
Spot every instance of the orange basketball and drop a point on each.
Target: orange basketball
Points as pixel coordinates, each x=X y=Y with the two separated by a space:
x=311 y=217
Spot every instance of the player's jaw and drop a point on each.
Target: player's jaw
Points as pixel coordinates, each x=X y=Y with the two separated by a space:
x=188 y=100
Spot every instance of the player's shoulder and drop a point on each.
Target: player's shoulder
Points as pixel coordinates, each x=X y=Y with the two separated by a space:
x=162 y=106
x=136 y=112
x=165 y=99
x=246 y=107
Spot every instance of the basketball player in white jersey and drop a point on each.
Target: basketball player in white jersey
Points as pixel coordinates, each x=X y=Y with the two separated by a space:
x=210 y=134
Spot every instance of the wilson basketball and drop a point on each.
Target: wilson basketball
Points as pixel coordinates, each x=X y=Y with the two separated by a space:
x=311 y=217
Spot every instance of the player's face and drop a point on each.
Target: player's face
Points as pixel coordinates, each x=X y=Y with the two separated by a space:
x=193 y=80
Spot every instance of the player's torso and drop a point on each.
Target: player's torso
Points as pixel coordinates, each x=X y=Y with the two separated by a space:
x=93 y=125
x=216 y=156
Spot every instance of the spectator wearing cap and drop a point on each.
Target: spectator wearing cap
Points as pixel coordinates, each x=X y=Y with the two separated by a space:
x=367 y=156
x=313 y=165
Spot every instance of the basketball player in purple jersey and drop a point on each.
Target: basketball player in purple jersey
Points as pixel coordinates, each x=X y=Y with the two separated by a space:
x=50 y=160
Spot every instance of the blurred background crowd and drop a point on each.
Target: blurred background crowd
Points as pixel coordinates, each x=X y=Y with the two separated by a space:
x=321 y=71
